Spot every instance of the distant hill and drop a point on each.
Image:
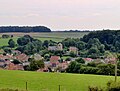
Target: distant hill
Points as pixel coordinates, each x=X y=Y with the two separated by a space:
x=4 y=29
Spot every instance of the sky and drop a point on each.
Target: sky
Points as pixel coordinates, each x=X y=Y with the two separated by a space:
x=61 y=14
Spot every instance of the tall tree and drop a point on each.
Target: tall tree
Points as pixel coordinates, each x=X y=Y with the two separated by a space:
x=11 y=43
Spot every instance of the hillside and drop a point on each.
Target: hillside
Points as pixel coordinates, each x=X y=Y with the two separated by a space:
x=50 y=81
x=55 y=36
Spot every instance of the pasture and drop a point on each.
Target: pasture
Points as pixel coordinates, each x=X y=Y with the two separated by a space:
x=55 y=36
x=50 y=81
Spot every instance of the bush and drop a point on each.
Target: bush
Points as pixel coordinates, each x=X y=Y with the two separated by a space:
x=95 y=88
x=92 y=64
x=74 y=67
x=113 y=86
x=89 y=70
x=106 y=69
x=80 y=60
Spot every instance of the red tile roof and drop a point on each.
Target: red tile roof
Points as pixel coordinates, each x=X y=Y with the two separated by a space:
x=54 y=59
x=12 y=66
x=22 y=57
x=6 y=57
x=88 y=59
x=73 y=48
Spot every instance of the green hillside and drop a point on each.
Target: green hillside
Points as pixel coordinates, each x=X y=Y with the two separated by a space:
x=55 y=36
x=50 y=81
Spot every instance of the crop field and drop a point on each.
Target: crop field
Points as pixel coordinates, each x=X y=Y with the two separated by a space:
x=50 y=81
x=52 y=34
x=55 y=36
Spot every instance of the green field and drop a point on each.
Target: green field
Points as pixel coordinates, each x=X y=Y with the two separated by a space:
x=51 y=34
x=4 y=42
x=50 y=81
x=55 y=36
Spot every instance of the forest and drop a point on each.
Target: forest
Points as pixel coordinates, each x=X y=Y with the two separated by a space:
x=5 y=29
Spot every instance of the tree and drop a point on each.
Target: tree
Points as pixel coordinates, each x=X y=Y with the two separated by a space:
x=117 y=45
x=24 y=40
x=80 y=60
x=24 y=29
x=74 y=67
x=72 y=54
x=69 y=42
x=36 y=64
x=5 y=36
x=15 y=61
x=7 y=50
x=102 y=48
x=46 y=43
x=93 y=42
x=11 y=43
x=29 y=45
x=47 y=57
x=81 y=45
x=68 y=59
x=106 y=69
x=92 y=64
x=93 y=50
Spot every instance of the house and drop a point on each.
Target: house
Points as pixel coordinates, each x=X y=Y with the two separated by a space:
x=7 y=62
x=54 y=62
x=88 y=60
x=7 y=56
x=52 y=48
x=13 y=66
x=45 y=69
x=73 y=49
x=22 y=57
x=16 y=52
x=58 y=47
x=37 y=57
x=2 y=64
x=26 y=63
x=110 y=60
x=63 y=66
x=97 y=61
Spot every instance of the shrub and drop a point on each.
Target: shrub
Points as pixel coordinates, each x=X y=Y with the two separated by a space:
x=94 y=88
x=89 y=70
x=113 y=86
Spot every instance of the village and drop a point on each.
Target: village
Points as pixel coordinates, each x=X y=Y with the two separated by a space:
x=17 y=60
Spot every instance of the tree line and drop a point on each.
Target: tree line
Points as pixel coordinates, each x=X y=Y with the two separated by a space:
x=4 y=29
x=110 y=39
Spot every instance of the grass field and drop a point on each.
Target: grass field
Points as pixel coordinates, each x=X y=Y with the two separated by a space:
x=55 y=36
x=4 y=42
x=50 y=81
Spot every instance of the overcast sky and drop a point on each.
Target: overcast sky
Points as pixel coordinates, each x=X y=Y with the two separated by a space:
x=62 y=14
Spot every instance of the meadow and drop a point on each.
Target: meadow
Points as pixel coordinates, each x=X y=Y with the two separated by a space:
x=55 y=36
x=38 y=81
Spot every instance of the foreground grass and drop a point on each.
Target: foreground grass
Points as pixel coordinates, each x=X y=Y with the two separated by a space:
x=50 y=81
x=7 y=89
